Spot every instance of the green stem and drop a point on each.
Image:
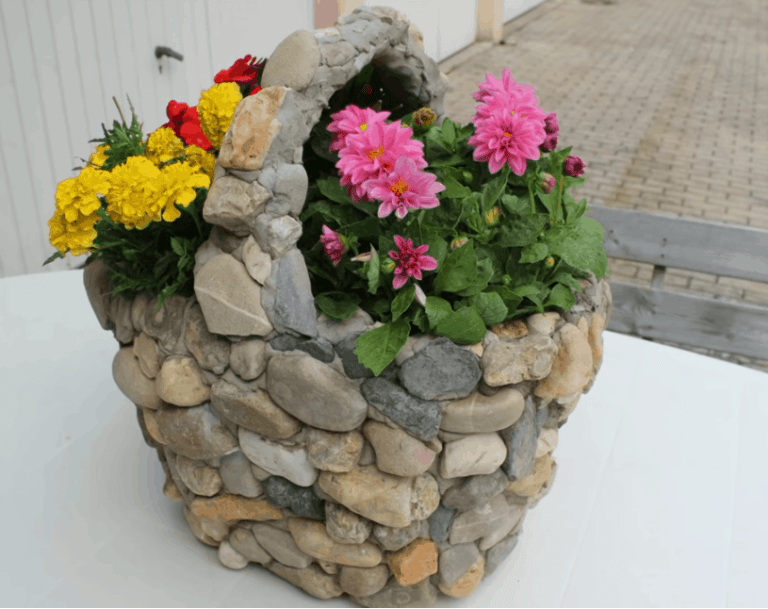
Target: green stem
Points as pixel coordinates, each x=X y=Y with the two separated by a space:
x=559 y=198
x=530 y=194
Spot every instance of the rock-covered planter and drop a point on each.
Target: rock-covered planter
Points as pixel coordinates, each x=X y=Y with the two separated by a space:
x=282 y=448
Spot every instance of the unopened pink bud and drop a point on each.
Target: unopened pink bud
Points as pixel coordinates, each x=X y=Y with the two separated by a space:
x=550 y=143
x=550 y=124
x=573 y=166
x=547 y=182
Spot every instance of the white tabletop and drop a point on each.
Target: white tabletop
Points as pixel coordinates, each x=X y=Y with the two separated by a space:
x=660 y=497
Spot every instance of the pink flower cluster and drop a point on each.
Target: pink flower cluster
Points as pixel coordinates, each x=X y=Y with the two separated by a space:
x=410 y=261
x=381 y=161
x=510 y=127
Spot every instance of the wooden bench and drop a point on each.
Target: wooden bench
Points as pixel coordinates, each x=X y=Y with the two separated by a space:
x=694 y=245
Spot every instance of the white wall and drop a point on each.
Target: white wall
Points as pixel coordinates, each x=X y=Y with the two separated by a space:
x=514 y=8
x=448 y=26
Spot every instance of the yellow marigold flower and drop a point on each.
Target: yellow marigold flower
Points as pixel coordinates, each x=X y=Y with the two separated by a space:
x=163 y=145
x=179 y=181
x=98 y=158
x=202 y=160
x=80 y=196
x=134 y=197
x=77 y=236
x=216 y=108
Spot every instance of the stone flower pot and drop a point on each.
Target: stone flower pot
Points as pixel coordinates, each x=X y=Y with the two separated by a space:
x=283 y=450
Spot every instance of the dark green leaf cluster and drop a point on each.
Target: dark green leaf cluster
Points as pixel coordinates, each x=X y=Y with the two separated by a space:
x=123 y=141
x=157 y=260
x=505 y=248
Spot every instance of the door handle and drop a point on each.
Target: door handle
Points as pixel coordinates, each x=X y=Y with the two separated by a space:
x=160 y=51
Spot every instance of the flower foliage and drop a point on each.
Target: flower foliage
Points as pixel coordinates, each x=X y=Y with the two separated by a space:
x=137 y=204
x=440 y=228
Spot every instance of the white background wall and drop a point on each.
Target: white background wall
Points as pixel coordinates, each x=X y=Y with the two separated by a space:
x=61 y=61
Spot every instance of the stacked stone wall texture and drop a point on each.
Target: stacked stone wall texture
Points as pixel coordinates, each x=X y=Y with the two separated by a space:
x=283 y=450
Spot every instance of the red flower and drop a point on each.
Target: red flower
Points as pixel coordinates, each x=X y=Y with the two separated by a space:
x=244 y=71
x=185 y=123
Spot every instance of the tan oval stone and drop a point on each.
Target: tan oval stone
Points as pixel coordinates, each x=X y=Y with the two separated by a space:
x=180 y=382
x=514 y=328
x=595 y=339
x=511 y=361
x=150 y=422
x=253 y=410
x=547 y=442
x=312 y=580
x=248 y=359
x=478 y=413
x=281 y=546
x=475 y=454
x=231 y=508
x=293 y=62
x=334 y=452
x=398 y=453
x=245 y=542
x=199 y=477
x=171 y=491
x=381 y=497
x=253 y=128
x=312 y=539
x=134 y=384
x=195 y=525
x=231 y=558
x=196 y=432
x=543 y=323
x=145 y=349
x=572 y=366
x=361 y=581
x=468 y=583
x=414 y=563
x=532 y=484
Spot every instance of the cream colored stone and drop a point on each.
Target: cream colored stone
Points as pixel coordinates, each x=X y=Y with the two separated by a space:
x=468 y=583
x=532 y=484
x=130 y=379
x=572 y=366
x=231 y=558
x=511 y=361
x=361 y=581
x=293 y=62
x=201 y=479
x=477 y=454
x=478 y=413
x=281 y=546
x=398 y=453
x=150 y=422
x=334 y=452
x=145 y=349
x=253 y=128
x=312 y=580
x=311 y=538
x=547 y=442
x=195 y=525
x=180 y=382
x=543 y=323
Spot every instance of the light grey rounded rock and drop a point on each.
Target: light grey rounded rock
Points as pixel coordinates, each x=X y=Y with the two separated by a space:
x=478 y=413
x=145 y=349
x=475 y=491
x=231 y=558
x=210 y=352
x=235 y=204
x=344 y=526
x=96 y=280
x=248 y=359
x=392 y=539
x=474 y=524
x=281 y=546
x=293 y=62
x=289 y=462
x=134 y=384
x=257 y=262
x=275 y=235
x=201 y=479
x=423 y=594
x=455 y=562
x=475 y=454
x=245 y=543
x=496 y=555
x=181 y=383
x=363 y=581
x=237 y=475
x=166 y=325
x=315 y=393
x=334 y=452
x=336 y=331
x=398 y=453
x=287 y=295
x=290 y=190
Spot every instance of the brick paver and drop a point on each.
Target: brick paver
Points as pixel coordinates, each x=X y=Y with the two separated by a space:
x=665 y=100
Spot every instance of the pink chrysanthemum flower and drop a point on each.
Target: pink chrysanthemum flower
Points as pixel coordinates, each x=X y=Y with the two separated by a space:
x=351 y=120
x=573 y=166
x=520 y=103
x=550 y=124
x=492 y=85
x=333 y=243
x=410 y=261
x=507 y=138
x=404 y=189
x=372 y=154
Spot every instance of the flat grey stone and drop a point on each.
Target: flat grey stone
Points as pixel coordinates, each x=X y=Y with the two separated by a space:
x=235 y=204
x=195 y=432
x=290 y=190
x=420 y=417
x=253 y=410
x=235 y=471
x=440 y=523
x=293 y=62
x=475 y=491
x=280 y=545
x=344 y=526
x=210 y=352
x=97 y=287
x=336 y=331
x=521 y=440
x=474 y=524
x=499 y=552
x=275 y=235
x=302 y=501
x=319 y=348
x=285 y=342
x=167 y=325
x=441 y=371
x=392 y=539
x=287 y=295
x=243 y=541
x=455 y=562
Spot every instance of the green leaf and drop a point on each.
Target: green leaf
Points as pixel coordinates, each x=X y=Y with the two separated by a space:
x=437 y=308
x=534 y=253
x=454 y=190
x=491 y=307
x=510 y=299
x=338 y=305
x=333 y=190
x=458 y=270
x=464 y=327
x=550 y=200
x=584 y=250
x=515 y=204
x=519 y=231
x=421 y=321
x=567 y=280
x=53 y=257
x=177 y=247
x=574 y=211
x=402 y=301
x=449 y=132
x=438 y=248
x=480 y=279
x=378 y=347
x=560 y=297
x=493 y=190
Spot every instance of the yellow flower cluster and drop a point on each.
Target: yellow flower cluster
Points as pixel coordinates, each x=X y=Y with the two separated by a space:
x=98 y=158
x=163 y=145
x=141 y=193
x=216 y=108
x=77 y=199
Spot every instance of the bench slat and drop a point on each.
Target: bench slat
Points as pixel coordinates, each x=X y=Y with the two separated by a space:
x=694 y=245
x=693 y=320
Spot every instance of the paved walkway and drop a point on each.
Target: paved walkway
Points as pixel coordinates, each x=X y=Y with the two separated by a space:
x=665 y=100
